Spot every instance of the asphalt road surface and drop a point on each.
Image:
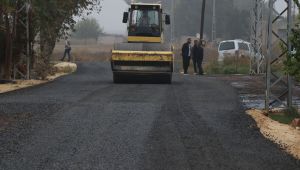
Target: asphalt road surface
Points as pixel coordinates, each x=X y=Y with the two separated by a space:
x=84 y=121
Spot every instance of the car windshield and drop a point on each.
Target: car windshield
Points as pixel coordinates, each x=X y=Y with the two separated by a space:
x=227 y=46
x=145 y=18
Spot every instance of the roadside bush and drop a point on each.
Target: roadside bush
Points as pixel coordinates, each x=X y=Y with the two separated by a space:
x=297 y=78
x=287 y=116
x=230 y=65
x=229 y=70
x=42 y=68
x=212 y=67
x=292 y=63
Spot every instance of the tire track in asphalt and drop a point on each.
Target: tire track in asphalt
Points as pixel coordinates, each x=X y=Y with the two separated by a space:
x=181 y=139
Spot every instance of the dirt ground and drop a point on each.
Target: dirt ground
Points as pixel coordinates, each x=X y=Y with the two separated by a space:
x=287 y=137
x=251 y=90
x=20 y=84
x=62 y=68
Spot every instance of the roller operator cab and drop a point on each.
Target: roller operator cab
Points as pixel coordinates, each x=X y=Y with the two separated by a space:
x=144 y=53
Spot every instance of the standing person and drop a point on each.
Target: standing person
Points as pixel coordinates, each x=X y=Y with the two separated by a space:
x=186 y=55
x=201 y=56
x=194 y=54
x=67 y=50
x=198 y=53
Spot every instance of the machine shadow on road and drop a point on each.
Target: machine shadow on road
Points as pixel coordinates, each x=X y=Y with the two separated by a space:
x=144 y=79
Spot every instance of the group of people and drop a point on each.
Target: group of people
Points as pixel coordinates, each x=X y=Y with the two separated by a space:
x=189 y=52
x=195 y=53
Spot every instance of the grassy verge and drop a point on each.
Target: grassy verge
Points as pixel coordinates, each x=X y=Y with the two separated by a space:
x=298 y=79
x=90 y=52
x=230 y=65
x=287 y=117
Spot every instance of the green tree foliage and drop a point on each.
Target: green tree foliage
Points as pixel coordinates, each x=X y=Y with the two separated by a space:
x=55 y=19
x=9 y=34
x=292 y=64
x=88 y=29
x=48 y=20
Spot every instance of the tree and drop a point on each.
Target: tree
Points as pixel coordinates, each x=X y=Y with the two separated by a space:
x=88 y=29
x=10 y=31
x=55 y=19
x=292 y=64
x=49 y=20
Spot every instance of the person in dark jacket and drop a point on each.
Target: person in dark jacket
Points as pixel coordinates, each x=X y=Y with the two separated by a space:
x=186 y=55
x=198 y=53
x=194 y=54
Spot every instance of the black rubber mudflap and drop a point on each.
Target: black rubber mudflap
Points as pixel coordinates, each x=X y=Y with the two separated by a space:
x=131 y=78
x=117 y=78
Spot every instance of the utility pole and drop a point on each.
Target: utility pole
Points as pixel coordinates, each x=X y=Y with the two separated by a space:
x=28 y=8
x=202 y=19
x=289 y=47
x=173 y=22
x=214 y=26
x=256 y=65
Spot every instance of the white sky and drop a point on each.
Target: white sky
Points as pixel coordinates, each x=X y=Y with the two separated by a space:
x=110 y=18
x=280 y=5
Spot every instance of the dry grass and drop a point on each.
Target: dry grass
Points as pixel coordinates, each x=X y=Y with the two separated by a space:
x=230 y=65
x=21 y=84
x=61 y=69
x=90 y=52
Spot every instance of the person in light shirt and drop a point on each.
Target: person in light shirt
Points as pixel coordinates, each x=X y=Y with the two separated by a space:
x=67 y=50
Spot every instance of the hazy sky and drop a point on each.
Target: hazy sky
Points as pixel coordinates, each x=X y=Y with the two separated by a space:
x=110 y=17
x=280 y=5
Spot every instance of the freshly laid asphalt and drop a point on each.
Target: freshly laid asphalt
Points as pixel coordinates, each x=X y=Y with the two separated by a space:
x=84 y=121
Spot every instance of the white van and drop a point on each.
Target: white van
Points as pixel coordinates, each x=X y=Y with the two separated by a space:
x=232 y=48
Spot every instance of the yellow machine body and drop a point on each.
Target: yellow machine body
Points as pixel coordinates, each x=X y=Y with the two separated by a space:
x=144 y=53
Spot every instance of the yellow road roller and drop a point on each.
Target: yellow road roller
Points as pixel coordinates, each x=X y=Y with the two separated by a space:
x=144 y=53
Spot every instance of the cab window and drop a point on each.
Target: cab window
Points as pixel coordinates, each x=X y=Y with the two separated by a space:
x=145 y=18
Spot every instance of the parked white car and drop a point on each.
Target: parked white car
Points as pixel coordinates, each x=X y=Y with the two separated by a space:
x=234 y=48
